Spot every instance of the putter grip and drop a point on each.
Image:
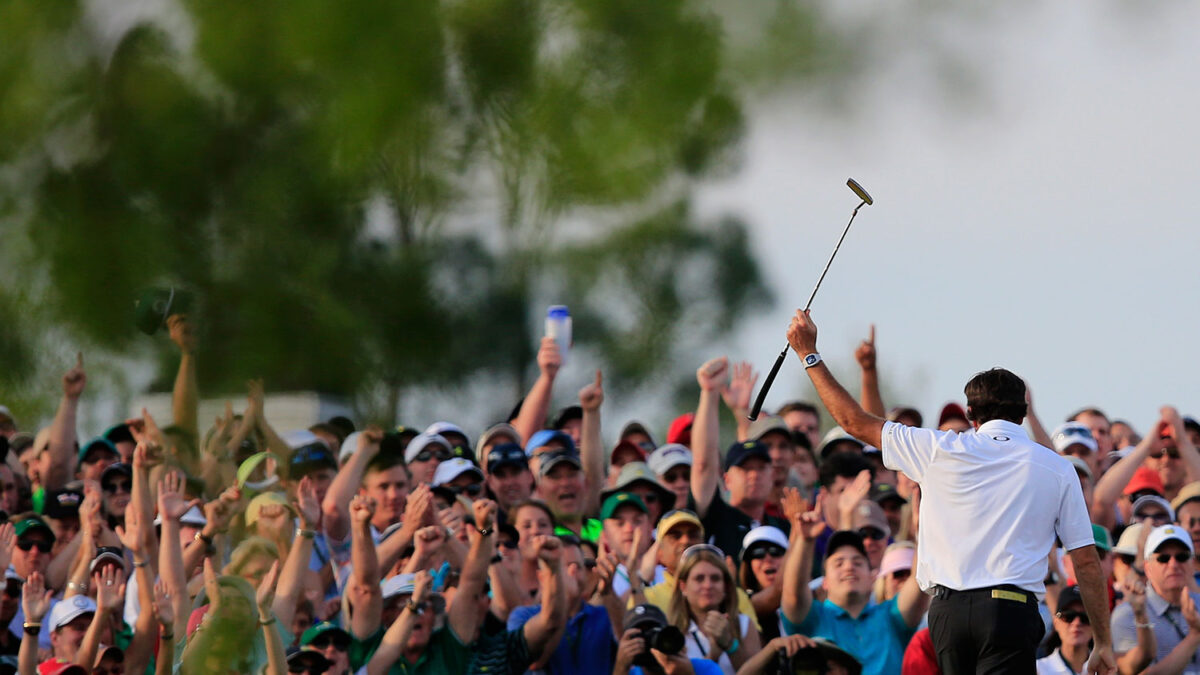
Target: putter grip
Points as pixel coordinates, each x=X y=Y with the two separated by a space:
x=762 y=393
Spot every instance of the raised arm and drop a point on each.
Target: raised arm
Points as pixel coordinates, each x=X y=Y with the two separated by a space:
x=868 y=428
x=35 y=602
x=363 y=591
x=1135 y=660
x=391 y=647
x=336 y=504
x=174 y=578
x=536 y=405
x=591 y=447
x=145 y=629
x=542 y=629
x=265 y=598
x=463 y=614
x=185 y=399
x=807 y=525
x=1108 y=489
x=275 y=445
x=736 y=395
x=291 y=580
x=706 y=455
x=1183 y=443
x=1036 y=430
x=912 y=601
x=110 y=590
x=872 y=401
x=58 y=465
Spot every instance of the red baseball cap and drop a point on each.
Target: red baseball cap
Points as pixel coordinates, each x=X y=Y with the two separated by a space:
x=60 y=667
x=1144 y=478
x=680 y=430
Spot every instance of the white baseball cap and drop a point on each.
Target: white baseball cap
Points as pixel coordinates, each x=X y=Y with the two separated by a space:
x=1152 y=499
x=766 y=534
x=418 y=443
x=1072 y=433
x=401 y=584
x=1163 y=534
x=453 y=468
x=667 y=457
x=1128 y=543
x=66 y=611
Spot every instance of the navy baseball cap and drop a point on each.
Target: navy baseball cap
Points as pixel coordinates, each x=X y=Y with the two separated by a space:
x=845 y=538
x=738 y=453
x=506 y=454
x=311 y=457
x=545 y=437
x=553 y=458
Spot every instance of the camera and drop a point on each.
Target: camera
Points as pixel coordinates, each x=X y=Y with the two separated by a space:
x=657 y=633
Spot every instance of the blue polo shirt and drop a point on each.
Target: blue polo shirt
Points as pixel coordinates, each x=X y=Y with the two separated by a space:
x=587 y=646
x=877 y=638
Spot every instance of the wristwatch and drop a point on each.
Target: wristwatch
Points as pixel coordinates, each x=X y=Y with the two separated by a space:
x=811 y=360
x=209 y=549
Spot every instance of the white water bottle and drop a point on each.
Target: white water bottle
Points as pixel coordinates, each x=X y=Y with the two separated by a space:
x=558 y=326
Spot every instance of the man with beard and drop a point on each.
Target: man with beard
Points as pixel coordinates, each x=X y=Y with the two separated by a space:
x=748 y=471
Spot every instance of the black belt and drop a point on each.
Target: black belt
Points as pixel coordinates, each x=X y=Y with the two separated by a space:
x=1002 y=592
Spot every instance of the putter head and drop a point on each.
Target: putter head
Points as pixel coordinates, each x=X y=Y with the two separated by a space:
x=858 y=190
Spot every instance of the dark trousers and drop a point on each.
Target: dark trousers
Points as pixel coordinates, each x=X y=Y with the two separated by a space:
x=985 y=630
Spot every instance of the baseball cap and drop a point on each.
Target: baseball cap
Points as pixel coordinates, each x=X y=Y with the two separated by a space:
x=1102 y=537
x=152 y=308
x=545 y=437
x=551 y=459
x=845 y=538
x=898 y=556
x=264 y=499
x=453 y=468
x=1187 y=493
x=118 y=433
x=616 y=500
x=668 y=456
x=116 y=468
x=309 y=659
x=952 y=411
x=1080 y=465
x=506 y=454
x=193 y=517
x=624 y=446
x=567 y=414
x=58 y=666
x=62 y=503
x=1164 y=533
x=883 y=492
x=68 y=609
x=422 y=441
x=868 y=513
x=646 y=614
x=322 y=628
x=349 y=446
x=635 y=427
x=1128 y=543
x=1144 y=478
x=1067 y=597
x=738 y=453
x=1072 y=433
x=835 y=435
x=765 y=425
x=443 y=428
x=639 y=472
x=108 y=554
x=503 y=430
x=29 y=522
x=680 y=430
x=764 y=534
x=673 y=518
x=99 y=444
x=1146 y=500
x=400 y=584
x=311 y=457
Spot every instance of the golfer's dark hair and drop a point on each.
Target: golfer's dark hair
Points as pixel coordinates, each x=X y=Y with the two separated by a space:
x=844 y=464
x=385 y=461
x=996 y=394
x=798 y=406
x=1087 y=411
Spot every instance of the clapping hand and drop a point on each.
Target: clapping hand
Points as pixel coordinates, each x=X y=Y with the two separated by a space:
x=713 y=375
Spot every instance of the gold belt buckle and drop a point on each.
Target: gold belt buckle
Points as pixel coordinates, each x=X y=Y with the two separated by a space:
x=1000 y=594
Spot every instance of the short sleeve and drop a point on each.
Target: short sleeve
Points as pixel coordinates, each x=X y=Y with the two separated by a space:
x=1124 y=633
x=1074 y=525
x=519 y=616
x=808 y=626
x=907 y=449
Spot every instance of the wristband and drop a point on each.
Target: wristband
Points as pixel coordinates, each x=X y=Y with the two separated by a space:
x=412 y=606
x=1143 y=625
x=76 y=586
x=305 y=532
x=484 y=532
x=167 y=637
x=32 y=628
x=268 y=622
x=140 y=564
x=737 y=644
x=811 y=360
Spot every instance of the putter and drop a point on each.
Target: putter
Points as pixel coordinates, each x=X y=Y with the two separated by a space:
x=762 y=393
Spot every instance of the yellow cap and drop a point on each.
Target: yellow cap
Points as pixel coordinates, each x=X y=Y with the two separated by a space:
x=676 y=517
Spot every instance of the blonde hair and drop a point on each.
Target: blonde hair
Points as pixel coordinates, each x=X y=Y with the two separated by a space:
x=678 y=612
x=246 y=551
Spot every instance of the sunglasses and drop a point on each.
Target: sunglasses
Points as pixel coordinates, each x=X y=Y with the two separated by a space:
x=1164 y=558
x=872 y=533
x=305 y=670
x=440 y=454
x=649 y=498
x=1127 y=558
x=674 y=476
x=901 y=575
x=339 y=642
x=508 y=543
x=760 y=552
x=1156 y=516
x=1172 y=452
x=472 y=489
x=117 y=486
x=589 y=563
x=1070 y=615
x=42 y=545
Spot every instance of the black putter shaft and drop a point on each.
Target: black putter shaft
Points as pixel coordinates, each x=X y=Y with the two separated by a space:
x=762 y=393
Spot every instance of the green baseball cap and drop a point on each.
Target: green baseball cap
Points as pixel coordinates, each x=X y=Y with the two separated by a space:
x=1103 y=538
x=99 y=443
x=29 y=522
x=320 y=629
x=616 y=501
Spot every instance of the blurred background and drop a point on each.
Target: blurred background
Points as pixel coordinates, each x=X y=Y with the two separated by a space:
x=374 y=205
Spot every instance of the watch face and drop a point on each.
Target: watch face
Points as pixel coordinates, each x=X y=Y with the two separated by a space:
x=810 y=360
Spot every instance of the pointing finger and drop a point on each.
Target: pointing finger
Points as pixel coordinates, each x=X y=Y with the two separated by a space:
x=871 y=337
x=599 y=378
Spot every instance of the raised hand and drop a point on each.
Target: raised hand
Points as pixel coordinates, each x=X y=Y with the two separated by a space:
x=171 y=501
x=793 y=504
x=211 y=587
x=740 y=388
x=131 y=534
x=631 y=646
x=855 y=492
x=369 y=440
x=7 y=539
x=719 y=629
x=90 y=522
x=255 y=396
x=549 y=549
x=35 y=598
x=606 y=567
x=713 y=375
x=162 y=606
x=428 y=540
x=110 y=590
x=362 y=509
x=790 y=644
x=865 y=353
x=418 y=508
x=802 y=334
x=75 y=379
x=1135 y=594
x=180 y=330
x=146 y=455
x=220 y=511
x=591 y=396
x=810 y=523
x=307 y=506
x=265 y=595
x=452 y=521
x=549 y=359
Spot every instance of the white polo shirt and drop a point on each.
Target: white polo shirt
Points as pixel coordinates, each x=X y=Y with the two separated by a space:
x=992 y=503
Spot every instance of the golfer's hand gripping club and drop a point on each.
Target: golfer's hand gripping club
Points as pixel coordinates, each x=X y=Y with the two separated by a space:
x=762 y=393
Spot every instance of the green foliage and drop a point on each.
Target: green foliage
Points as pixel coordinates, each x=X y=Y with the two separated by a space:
x=522 y=152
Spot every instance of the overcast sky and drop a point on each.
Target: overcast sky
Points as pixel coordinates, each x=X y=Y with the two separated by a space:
x=1039 y=218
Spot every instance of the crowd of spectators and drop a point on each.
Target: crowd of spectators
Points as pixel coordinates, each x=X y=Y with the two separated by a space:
x=533 y=546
